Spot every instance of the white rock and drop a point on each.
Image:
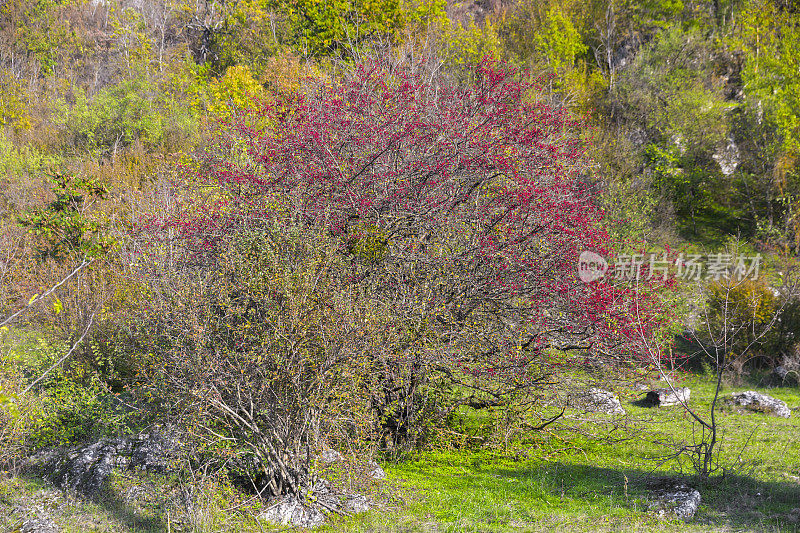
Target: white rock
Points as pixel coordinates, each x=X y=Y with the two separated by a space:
x=602 y=401
x=761 y=403
x=666 y=397
x=376 y=472
x=679 y=500
x=357 y=504
x=329 y=456
x=290 y=512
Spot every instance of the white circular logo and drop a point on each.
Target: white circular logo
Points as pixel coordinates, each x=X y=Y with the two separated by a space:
x=591 y=266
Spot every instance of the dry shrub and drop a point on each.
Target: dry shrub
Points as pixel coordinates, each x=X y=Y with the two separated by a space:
x=264 y=349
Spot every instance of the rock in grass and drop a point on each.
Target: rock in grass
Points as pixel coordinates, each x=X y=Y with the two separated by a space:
x=37 y=525
x=330 y=456
x=85 y=469
x=760 y=403
x=675 y=498
x=602 y=401
x=376 y=472
x=289 y=511
x=356 y=504
x=667 y=397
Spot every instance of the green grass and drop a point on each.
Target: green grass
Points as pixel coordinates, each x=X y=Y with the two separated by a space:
x=578 y=484
x=559 y=481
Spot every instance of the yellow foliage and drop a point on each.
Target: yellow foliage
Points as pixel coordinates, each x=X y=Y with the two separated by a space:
x=467 y=46
x=13 y=105
x=236 y=91
x=741 y=302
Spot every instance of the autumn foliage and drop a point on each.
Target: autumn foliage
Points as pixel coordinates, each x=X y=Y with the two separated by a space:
x=450 y=220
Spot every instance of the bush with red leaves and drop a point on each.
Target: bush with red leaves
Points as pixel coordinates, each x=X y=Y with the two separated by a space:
x=459 y=215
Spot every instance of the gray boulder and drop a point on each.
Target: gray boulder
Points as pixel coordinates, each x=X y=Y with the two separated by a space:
x=289 y=511
x=376 y=472
x=666 y=397
x=675 y=499
x=85 y=469
x=37 y=525
x=760 y=403
x=601 y=401
x=330 y=456
x=356 y=504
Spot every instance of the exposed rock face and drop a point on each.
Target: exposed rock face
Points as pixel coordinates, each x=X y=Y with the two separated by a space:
x=330 y=456
x=289 y=511
x=376 y=472
x=675 y=498
x=602 y=401
x=357 y=504
x=761 y=403
x=667 y=397
x=38 y=525
x=727 y=157
x=84 y=469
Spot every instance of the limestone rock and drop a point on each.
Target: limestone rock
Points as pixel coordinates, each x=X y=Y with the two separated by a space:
x=38 y=525
x=675 y=498
x=376 y=472
x=602 y=401
x=667 y=397
x=290 y=512
x=761 y=403
x=330 y=456
x=356 y=504
x=84 y=469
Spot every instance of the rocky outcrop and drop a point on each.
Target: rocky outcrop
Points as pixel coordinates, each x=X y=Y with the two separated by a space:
x=376 y=472
x=760 y=403
x=674 y=498
x=667 y=397
x=289 y=511
x=37 y=524
x=85 y=469
x=312 y=510
x=601 y=401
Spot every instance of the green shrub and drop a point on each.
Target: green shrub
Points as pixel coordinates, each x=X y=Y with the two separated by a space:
x=758 y=323
x=69 y=405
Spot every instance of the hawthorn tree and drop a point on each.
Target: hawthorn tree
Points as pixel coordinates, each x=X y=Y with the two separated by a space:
x=459 y=213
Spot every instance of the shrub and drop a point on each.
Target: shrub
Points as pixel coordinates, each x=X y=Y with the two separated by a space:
x=266 y=348
x=453 y=220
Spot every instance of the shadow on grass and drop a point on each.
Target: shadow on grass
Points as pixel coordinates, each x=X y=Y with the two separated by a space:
x=733 y=501
x=114 y=506
x=127 y=515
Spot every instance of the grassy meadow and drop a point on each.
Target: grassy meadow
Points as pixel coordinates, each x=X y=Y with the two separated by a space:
x=590 y=473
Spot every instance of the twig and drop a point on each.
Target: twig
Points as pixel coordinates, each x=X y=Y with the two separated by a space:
x=37 y=299
x=57 y=363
